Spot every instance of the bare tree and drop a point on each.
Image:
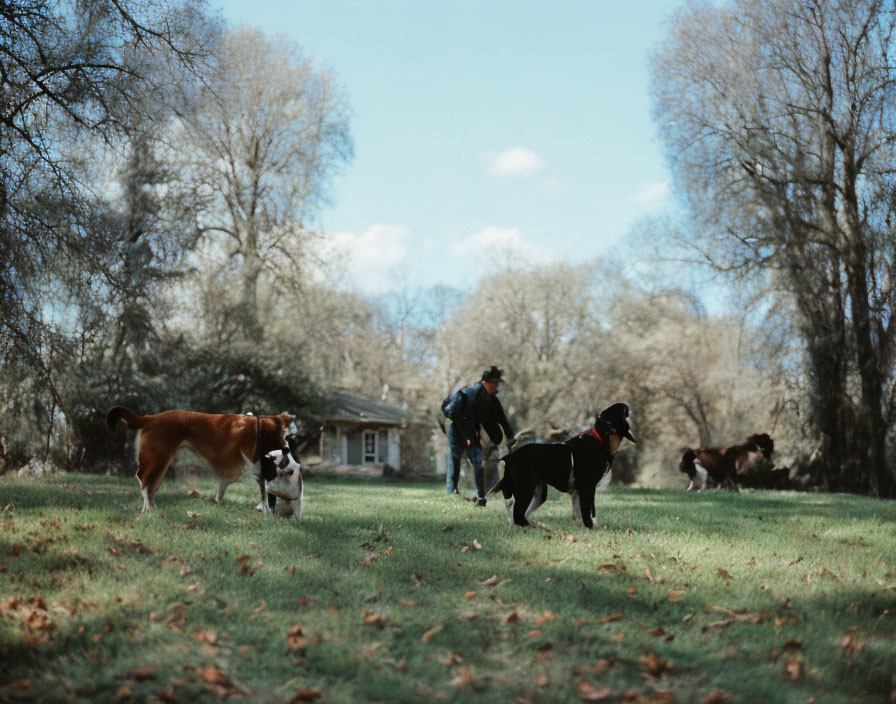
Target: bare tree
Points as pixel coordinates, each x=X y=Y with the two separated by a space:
x=73 y=80
x=778 y=119
x=255 y=144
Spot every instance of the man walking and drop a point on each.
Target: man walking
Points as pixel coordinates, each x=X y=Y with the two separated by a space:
x=469 y=409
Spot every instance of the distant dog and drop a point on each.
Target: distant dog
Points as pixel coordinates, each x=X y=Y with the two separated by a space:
x=714 y=466
x=287 y=490
x=227 y=442
x=574 y=467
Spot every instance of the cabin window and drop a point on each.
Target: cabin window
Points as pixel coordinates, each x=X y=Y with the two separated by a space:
x=370 y=443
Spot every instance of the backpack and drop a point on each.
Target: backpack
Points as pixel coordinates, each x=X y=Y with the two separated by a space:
x=451 y=405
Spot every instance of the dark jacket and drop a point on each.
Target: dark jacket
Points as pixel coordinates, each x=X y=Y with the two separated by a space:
x=473 y=407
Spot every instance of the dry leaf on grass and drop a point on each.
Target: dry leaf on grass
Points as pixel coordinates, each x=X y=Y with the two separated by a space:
x=655 y=666
x=611 y=617
x=592 y=694
x=425 y=638
x=717 y=698
x=677 y=594
x=139 y=674
x=372 y=619
x=18 y=689
x=306 y=695
x=213 y=675
x=793 y=669
x=246 y=569
x=511 y=617
x=491 y=581
x=717 y=624
x=464 y=678
x=723 y=574
x=476 y=544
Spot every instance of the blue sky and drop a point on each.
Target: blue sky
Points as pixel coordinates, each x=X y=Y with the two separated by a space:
x=482 y=127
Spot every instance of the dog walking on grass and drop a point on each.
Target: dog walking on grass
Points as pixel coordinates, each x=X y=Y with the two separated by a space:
x=228 y=442
x=574 y=467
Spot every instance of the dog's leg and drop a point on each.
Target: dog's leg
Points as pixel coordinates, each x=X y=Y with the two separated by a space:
x=538 y=498
x=519 y=510
x=222 y=487
x=586 y=499
x=152 y=465
x=576 y=509
x=264 y=496
x=702 y=475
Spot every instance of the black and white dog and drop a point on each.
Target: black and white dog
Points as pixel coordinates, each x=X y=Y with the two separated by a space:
x=574 y=467
x=287 y=488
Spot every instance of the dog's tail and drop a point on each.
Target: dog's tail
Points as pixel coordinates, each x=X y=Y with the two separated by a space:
x=131 y=419
x=500 y=485
x=496 y=487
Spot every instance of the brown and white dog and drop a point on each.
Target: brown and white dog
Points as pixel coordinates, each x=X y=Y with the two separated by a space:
x=710 y=466
x=227 y=442
x=286 y=491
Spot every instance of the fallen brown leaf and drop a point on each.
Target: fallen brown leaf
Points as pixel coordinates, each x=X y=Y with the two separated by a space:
x=18 y=689
x=464 y=678
x=141 y=673
x=306 y=695
x=591 y=693
x=511 y=617
x=491 y=581
x=717 y=698
x=793 y=669
x=213 y=675
x=372 y=619
x=723 y=574
x=425 y=638
x=677 y=594
x=718 y=624
x=612 y=617
x=476 y=544
x=655 y=666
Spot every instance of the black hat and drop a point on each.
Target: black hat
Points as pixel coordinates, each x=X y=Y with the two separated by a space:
x=615 y=416
x=492 y=373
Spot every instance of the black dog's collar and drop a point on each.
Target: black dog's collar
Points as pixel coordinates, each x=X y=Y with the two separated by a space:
x=593 y=431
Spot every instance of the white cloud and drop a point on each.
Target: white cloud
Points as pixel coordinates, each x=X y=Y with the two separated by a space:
x=650 y=196
x=516 y=161
x=371 y=256
x=500 y=241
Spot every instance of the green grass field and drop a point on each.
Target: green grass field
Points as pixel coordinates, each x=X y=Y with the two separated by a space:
x=394 y=592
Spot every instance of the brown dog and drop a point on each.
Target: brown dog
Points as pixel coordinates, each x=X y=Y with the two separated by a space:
x=226 y=442
x=715 y=465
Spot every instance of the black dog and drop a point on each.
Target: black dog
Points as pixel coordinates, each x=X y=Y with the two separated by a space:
x=573 y=467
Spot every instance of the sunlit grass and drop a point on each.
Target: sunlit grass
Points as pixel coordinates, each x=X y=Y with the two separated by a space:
x=764 y=596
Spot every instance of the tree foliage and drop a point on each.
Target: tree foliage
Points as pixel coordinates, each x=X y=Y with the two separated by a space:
x=778 y=119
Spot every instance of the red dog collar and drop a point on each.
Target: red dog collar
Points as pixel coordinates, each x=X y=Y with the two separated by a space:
x=594 y=432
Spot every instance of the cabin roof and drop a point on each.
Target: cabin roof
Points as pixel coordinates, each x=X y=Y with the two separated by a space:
x=348 y=407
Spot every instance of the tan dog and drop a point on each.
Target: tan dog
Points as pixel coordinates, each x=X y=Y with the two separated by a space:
x=227 y=442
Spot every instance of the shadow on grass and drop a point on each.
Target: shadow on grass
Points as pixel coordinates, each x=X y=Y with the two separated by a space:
x=426 y=568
